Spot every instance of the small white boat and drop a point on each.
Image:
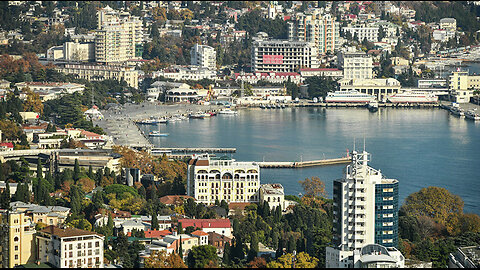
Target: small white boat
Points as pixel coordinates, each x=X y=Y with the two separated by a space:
x=456 y=110
x=472 y=114
x=227 y=111
x=372 y=106
x=157 y=134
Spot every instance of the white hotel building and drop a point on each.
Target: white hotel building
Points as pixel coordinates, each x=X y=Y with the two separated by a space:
x=269 y=55
x=210 y=179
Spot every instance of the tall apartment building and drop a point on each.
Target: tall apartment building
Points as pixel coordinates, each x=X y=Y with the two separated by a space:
x=356 y=65
x=321 y=29
x=365 y=218
x=18 y=230
x=70 y=248
x=210 y=179
x=203 y=56
x=462 y=85
x=270 y=55
x=118 y=37
x=362 y=32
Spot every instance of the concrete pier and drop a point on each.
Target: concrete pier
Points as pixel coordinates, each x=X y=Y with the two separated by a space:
x=303 y=164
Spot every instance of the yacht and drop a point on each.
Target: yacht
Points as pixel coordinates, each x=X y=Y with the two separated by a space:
x=227 y=111
x=348 y=97
x=456 y=110
x=156 y=133
x=472 y=114
x=413 y=97
x=372 y=106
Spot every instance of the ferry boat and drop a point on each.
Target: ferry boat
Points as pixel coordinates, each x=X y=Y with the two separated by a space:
x=156 y=133
x=348 y=97
x=227 y=111
x=413 y=97
x=198 y=115
x=457 y=110
x=373 y=106
x=472 y=114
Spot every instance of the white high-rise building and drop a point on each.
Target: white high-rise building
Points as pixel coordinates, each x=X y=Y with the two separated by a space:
x=210 y=179
x=119 y=36
x=363 y=32
x=365 y=218
x=356 y=65
x=203 y=56
x=321 y=29
x=270 y=55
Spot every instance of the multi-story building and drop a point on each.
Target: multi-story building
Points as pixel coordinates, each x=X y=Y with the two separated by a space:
x=321 y=29
x=465 y=257
x=362 y=32
x=203 y=56
x=449 y=24
x=119 y=36
x=18 y=230
x=273 y=194
x=365 y=218
x=101 y=72
x=70 y=248
x=381 y=88
x=356 y=65
x=462 y=85
x=270 y=55
x=210 y=179
x=186 y=73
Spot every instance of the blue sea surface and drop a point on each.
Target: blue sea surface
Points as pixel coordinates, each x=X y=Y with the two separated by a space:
x=419 y=147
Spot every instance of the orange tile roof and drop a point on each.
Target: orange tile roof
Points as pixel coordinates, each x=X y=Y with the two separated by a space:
x=199 y=233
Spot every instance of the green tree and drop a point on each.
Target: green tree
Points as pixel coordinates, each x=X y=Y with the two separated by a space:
x=76 y=171
x=202 y=256
x=155 y=222
x=253 y=251
x=5 y=197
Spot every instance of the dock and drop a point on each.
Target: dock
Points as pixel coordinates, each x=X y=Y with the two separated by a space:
x=193 y=150
x=303 y=164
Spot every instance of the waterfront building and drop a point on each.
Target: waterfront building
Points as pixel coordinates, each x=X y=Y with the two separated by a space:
x=70 y=247
x=203 y=56
x=272 y=77
x=321 y=29
x=365 y=218
x=210 y=179
x=465 y=257
x=381 y=88
x=362 y=32
x=356 y=65
x=182 y=94
x=118 y=37
x=462 y=85
x=51 y=90
x=93 y=72
x=273 y=194
x=193 y=73
x=274 y=55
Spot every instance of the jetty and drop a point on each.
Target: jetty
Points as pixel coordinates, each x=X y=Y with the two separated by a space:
x=193 y=150
x=303 y=164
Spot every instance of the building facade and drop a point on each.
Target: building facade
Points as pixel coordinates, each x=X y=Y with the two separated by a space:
x=118 y=37
x=203 y=56
x=321 y=29
x=101 y=72
x=380 y=88
x=70 y=248
x=210 y=179
x=273 y=194
x=365 y=217
x=283 y=55
x=362 y=32
x=356 y=65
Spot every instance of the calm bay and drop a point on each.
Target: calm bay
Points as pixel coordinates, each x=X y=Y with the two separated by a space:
x=419 y=147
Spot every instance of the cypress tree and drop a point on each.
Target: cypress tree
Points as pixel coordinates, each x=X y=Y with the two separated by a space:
x=180 y=228
x=142 y=192
x=5 y=197
x=180 y=248
x=90 y=172
x=155 y=221
x=76 y=171
x=279 y=252
x=226 y=254
x=252 y=253
x=2 y=173
x=291 y=245
x=39 y=169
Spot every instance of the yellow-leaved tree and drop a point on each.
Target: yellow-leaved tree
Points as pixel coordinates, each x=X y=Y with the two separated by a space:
x=303 y=260
x=160 y=259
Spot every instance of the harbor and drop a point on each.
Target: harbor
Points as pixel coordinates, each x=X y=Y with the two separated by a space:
x=303 y=164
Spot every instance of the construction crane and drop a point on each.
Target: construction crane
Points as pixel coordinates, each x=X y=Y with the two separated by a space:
x=210 y=93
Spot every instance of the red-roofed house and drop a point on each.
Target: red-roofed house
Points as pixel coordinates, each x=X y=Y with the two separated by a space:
x=202 y=237
x=174 y=199
x=154 y=233
x=6 y=146
x=333 y=73
x=92 y=140
x=220 y=226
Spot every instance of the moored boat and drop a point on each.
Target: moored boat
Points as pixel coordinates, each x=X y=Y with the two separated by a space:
x=472 y=114
x=348 y=97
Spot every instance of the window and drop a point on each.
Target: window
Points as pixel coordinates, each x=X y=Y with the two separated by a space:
x=16 y=248
x=97 y=244
x=16 y=239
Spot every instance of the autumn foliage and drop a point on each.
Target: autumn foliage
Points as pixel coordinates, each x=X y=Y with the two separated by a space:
x=160 y=259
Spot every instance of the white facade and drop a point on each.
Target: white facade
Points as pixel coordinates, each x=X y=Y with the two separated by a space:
x=102 y=72
x=273 y=194
x=222 y=179
x=193 y=73
x=321 y=29
x=70 y=248
x=203 y=56
x=381 y=88
x=356 y=65
x=448 y=24
x=361 y=32
x=283 y=55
